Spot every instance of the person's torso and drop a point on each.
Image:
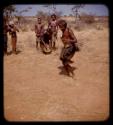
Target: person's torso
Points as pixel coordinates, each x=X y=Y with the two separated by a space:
x=53 y=25
x=12 y=31
x=66 y=35
x=39 y=28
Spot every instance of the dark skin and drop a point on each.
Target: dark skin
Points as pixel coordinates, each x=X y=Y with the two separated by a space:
x=38 y=22
x=13 y=28
x=53 y=19
x=54 y=30
x=46 y=39
x=13 y=32
x=39 y=29
x=67 y=38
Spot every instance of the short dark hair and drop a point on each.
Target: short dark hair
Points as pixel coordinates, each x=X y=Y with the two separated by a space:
x=39 y=18
x=62 y=23
x=53 y=15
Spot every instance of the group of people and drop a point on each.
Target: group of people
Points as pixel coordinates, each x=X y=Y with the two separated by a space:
x=46 y=37
x=47 y=40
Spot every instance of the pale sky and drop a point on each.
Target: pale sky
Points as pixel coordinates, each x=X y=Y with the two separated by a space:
x=97 y=9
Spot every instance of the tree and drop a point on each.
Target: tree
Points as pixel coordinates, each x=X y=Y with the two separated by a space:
x=54 y=10
x=8 y=11
x=75 y=10
x=58 y=13
x=50 y=7
x=43 y=15
x=71 y=15
x=11 y=13
x=88 y=18
x=20 y=17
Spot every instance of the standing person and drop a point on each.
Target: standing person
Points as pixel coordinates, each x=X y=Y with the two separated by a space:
x=69 y=40
x=39 y=29
x=5 y=30
x=54 y=27
x=13 y=32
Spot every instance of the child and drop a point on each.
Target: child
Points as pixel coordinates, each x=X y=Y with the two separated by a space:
x=69 y=40
x=39 y=29
x=54 y=27
x=13 y=32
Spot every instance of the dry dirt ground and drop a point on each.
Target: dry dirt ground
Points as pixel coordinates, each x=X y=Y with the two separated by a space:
x=36 y=88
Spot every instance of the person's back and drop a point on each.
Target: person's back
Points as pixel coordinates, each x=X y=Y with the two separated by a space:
x=46 y=41
x=46 y=38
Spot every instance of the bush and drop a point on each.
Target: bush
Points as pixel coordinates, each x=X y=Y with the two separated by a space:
x=77 y=27
x=89 y=19
x=99 y=27
x=24 y=29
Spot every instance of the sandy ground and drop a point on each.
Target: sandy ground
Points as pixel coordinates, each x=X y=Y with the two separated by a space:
x=36 y=89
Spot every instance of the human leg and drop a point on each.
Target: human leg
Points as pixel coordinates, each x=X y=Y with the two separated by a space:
x=14 y=41
x=37 y=41
x=54 y=37
x=66 y=55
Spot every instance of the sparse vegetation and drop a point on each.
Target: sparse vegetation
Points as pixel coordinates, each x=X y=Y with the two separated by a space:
x=87 y=18
x=27 y=23
x=36 y=87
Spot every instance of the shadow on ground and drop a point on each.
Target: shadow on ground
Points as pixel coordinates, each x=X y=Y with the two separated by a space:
x=63 y=71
